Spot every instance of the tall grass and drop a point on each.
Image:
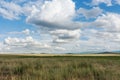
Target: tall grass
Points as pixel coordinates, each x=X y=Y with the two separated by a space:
x=59 y=68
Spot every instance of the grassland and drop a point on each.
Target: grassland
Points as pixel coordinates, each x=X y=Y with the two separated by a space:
x=60 y=67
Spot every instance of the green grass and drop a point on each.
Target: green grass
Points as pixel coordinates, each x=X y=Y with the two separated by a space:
x=19 y=67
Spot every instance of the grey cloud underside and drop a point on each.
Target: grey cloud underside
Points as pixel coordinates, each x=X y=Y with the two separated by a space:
x=66 y=37
x=56 y=25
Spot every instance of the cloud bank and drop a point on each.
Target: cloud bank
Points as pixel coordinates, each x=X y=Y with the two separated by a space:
x=67 y=29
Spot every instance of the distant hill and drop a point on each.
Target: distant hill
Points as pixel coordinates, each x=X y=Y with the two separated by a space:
x=109 y=53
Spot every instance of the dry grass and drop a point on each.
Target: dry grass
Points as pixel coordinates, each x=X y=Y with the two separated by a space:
x=59 y=67
x=63 y=54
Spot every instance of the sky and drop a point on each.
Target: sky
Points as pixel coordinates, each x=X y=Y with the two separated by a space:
x=59 y=26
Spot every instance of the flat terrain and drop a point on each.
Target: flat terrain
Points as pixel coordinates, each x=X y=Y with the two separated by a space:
x=59 y=67
x=37 y=55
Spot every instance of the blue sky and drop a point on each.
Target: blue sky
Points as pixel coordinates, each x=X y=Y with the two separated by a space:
x=59 y=26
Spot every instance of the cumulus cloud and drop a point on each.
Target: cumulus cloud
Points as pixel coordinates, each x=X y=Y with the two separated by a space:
x=57 y=19
x=94 y=44
x=117 y=39
x=13 y=9
x=1 y=46
x=97 y=2
x=24 y=32
x=27 y=44
x=62 y=36
x=107 y=2
x=28 y=41
x=59 y=48
x=90 y=13
x=51 y=11
x=109 y=21
x=55 y=14
x=31 y=7
x=104 y=34
x=10 y=10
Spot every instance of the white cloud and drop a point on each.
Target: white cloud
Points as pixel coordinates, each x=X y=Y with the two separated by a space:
x=1 y=46
x=13 y=9
x=104 y=34
x=107 y=2
x=65 y=35
x=55 y=14
x=110 y=22
x=97 y=2
x=28 y=45
x=117 y=37
x=105 y=28
x=90 y=13
x=54 y=11
x=59 y=48
x=24 y=44
x=55 y=18
x=31 y=7
x=24 y=32
x=18 y=42
x=10 y=10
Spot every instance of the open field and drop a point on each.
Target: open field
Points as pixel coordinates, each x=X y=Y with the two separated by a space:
x=60 y=67
x=45 y=54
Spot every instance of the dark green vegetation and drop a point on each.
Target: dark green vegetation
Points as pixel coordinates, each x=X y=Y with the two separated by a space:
x=14 y=67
